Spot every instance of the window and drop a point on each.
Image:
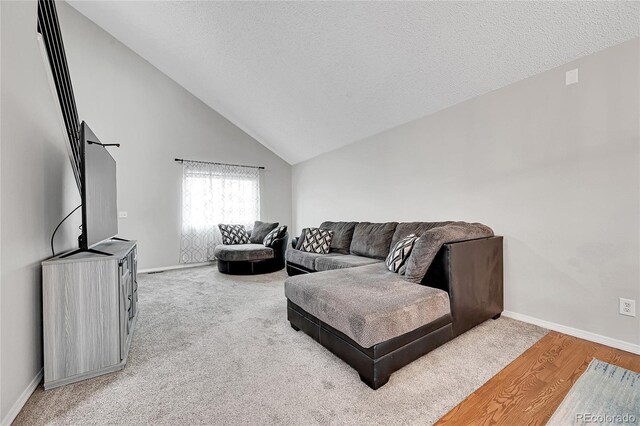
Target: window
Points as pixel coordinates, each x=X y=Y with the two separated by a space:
x=213 y=194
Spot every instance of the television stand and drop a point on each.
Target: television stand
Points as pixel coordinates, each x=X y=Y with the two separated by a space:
x=89 y=311
x=92 y=251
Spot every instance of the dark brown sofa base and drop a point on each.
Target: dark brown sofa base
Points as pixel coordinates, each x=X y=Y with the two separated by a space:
x=376 y=364
x=470 y=271
x=293 y=269
x=245 y=267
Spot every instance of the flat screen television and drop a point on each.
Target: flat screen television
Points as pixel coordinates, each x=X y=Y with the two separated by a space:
x=99 y=191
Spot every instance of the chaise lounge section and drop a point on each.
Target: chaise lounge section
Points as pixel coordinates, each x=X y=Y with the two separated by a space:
x=379 y=321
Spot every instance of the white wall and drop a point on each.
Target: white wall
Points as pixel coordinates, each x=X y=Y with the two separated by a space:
x=553 y=168
x=37 y=191
x=125 y=99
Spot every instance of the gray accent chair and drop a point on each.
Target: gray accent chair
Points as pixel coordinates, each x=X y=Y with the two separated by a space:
x=253 y=258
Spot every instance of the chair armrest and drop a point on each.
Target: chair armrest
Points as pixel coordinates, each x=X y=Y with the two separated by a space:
x=294 y=242
x=279 y=246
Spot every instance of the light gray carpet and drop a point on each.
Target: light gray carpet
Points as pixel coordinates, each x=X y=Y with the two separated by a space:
x=216 y=349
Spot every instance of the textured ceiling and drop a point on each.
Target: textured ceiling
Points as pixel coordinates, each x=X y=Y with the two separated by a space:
x=306 y=78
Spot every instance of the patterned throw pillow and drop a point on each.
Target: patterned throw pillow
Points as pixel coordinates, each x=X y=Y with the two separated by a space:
x=276 y=234
x=317 y=240
x=233 y=234
x=397 y=258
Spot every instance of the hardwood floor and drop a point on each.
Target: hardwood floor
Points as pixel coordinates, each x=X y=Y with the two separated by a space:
x=529 y=390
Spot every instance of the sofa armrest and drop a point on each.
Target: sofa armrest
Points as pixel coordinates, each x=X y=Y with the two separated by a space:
x=472 y=273
x=298 y=240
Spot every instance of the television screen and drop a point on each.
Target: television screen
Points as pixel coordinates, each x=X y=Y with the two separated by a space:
x=99 y=193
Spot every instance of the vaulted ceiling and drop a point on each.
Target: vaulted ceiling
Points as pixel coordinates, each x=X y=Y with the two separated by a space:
x=306 y=78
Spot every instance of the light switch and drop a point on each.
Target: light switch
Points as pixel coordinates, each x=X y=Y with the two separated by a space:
x=571 y=77
x=122 y=215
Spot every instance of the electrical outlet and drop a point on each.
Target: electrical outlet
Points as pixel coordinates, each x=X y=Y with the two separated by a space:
x=627 y=307
x=122 y=215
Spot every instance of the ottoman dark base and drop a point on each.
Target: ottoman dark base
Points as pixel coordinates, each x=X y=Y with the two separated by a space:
x=293 y=269
x=245 y=267
x=376 y=364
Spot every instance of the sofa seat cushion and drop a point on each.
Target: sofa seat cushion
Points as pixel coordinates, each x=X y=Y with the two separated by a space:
x=331 y=262
x=306 y=259
x=237 y=252
x=369 y=304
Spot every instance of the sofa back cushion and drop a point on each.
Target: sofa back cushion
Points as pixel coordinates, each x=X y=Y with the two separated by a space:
x=260 y=230
x=407 y=228
x=342 y=235
x=372 y=239
x=303 y=234
x=429 y=243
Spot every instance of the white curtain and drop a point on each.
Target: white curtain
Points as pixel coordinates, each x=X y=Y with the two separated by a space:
x=213 y=194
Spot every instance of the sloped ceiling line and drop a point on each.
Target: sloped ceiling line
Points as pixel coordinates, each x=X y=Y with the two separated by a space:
x=307 y=78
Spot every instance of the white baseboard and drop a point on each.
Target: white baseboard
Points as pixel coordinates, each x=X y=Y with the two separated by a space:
x=576 y=332
x=24 y=397
x=170 y=268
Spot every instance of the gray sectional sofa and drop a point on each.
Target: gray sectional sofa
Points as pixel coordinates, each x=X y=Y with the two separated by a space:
x=377 y=320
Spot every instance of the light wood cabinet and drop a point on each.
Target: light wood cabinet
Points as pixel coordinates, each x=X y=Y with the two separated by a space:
x=90 y=305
